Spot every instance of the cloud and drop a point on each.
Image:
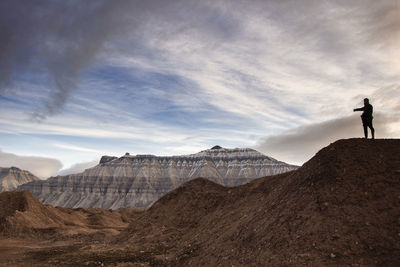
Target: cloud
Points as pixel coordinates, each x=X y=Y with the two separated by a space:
x=158 y=72
x=279 y=67
x=49 y=39
x=40 y=166
x=78 y=167
x=57 y=40
x=300 y=144
x=215 y=42
x=75 y=148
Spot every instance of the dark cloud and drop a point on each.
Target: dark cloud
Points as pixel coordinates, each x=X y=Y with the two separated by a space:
x=56 y=40
x=39 y=166
x=50 y=40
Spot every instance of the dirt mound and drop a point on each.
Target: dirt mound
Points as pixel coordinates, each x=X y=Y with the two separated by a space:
x=342 y=207
x=199 y=194
x=22 y=215
x=15 y=201
x=15 y=207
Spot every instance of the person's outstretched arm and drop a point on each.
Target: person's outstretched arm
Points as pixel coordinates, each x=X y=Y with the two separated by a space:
x=358 y=109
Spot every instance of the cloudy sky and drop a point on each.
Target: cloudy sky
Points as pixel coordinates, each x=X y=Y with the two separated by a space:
x=81 y=79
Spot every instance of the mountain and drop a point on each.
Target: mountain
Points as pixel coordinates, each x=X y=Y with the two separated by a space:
x=142 y=179
x=341 y=208
x=11 y=178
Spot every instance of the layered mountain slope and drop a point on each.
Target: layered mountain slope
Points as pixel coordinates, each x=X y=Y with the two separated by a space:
x=11 y=178
x=341 y=208
x=142 y=179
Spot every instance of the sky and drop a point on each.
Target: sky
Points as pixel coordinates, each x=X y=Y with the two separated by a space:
x=82 y=79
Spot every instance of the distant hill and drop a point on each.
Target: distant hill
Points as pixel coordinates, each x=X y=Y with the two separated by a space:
x=341 y=208
x=11 y=178
x=142 y=179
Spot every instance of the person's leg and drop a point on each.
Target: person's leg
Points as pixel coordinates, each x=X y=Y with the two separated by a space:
x=372 y=130
x=365 y=130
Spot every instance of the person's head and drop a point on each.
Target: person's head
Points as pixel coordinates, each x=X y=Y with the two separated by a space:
x=366 y=101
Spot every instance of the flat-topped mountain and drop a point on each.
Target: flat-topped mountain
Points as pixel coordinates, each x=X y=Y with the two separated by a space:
x=142 y=179
x=11 y=178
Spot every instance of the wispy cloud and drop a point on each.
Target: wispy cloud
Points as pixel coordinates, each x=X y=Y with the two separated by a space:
x=78 y=167
x=269 y=62
x=161 y=74
x=75 y=148
x=300 y=144
x=281 y=70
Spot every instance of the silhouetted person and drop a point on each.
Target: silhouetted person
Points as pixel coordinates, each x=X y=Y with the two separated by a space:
x=366 y=117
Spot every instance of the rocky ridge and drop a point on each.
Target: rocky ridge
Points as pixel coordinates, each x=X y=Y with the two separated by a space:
x=142 y=179
x=11 y=178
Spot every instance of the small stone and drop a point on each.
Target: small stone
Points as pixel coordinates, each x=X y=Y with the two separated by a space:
x=333 y=256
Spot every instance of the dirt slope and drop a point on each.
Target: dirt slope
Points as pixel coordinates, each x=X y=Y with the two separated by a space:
x=341 y=207
x=22 y=216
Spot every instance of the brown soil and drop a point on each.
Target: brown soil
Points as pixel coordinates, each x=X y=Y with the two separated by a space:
x=32 y=233
x=340 y=208
x=24 y=216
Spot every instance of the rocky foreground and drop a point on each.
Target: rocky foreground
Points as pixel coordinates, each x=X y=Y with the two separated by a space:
x=142 y=179
x=341 y=208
